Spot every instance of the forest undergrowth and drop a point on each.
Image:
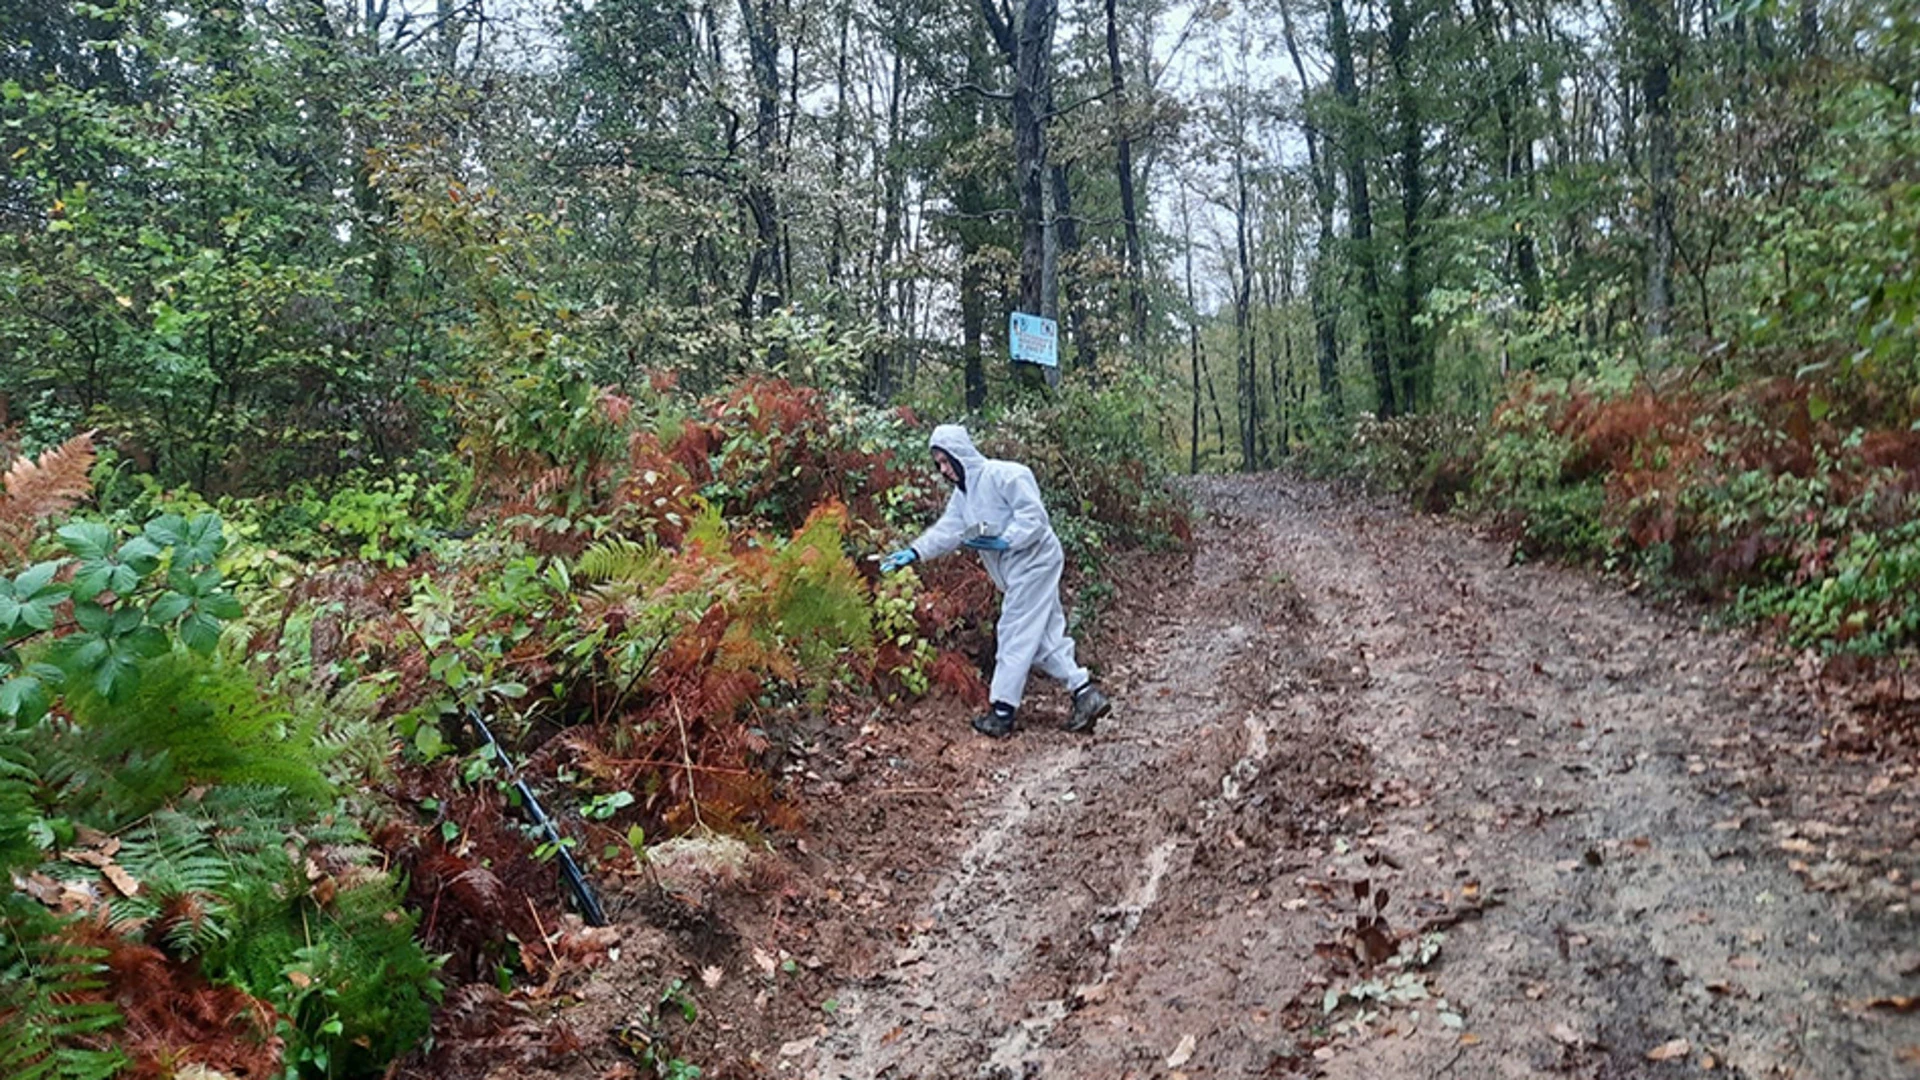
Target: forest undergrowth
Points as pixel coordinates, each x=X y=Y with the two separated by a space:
x=238 y=764
x=1775 y=503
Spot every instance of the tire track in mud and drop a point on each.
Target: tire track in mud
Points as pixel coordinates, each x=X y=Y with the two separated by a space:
x=1070 y=856
x=1584 y=792
x=1576 y=754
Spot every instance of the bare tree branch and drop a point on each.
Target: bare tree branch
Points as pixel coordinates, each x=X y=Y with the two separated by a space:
x=975 y=88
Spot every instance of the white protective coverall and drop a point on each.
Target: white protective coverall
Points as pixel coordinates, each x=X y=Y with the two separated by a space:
x=1000 y=498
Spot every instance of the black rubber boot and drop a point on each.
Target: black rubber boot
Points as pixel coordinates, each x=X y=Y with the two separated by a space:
x=1089 y=705
x=997 y=724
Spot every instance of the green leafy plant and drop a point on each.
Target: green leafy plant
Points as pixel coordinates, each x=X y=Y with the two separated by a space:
x=126 y=599
x=602 y=807
x=362 y=993
x=47 y=985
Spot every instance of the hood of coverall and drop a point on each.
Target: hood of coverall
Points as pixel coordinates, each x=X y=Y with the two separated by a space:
x=958 y=445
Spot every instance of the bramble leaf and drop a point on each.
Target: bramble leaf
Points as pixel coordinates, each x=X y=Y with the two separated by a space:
x=86 y=539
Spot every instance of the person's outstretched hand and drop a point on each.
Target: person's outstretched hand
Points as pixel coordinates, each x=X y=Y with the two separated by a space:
x=899 y=560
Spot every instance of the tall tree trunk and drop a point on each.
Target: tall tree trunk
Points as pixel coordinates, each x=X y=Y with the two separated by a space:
x=970 y=200
x=973 y=320
x=1193 y=334
x=1415 y=360
x=1326 y=326
x=762 y=293
x=842 y=130
x=1360 y=207
x=1213 y=399
x=1028 y=47
x=1123 y=172
x=1279 y=342
x=1653 y=37
x=1246 y=373
x=893 y=198
x=1067 y=235
x=1516 y=150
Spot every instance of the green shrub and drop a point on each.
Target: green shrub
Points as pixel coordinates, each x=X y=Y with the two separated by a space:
x=1405 y=453
x=380 y=519
x=361 y=994
x=233 y=880
x=44 y=981
x=1520 y=480
x=1094 y=453
x=1863 y=604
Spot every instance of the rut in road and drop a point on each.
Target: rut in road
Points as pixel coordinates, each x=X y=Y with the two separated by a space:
x=1580 y=800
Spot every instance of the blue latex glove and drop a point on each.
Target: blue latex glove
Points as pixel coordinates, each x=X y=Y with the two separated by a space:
x=899 y=560
x=986 y=543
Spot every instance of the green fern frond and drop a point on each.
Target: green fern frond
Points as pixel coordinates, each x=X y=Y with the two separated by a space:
x=357 y=752
x=370 y=988
x=44 y=986
x=17 y=814
x=618 y=559
x=209 y=929
x=172 y=855
x=194 y=720
x=128 y=915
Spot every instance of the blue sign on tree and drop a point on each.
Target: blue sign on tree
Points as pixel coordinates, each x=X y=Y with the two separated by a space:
x=1033 y=339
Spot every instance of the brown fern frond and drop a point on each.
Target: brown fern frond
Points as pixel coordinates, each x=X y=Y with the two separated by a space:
x=33 y=490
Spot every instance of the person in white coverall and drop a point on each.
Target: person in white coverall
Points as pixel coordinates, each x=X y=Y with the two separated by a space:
x=995 y=509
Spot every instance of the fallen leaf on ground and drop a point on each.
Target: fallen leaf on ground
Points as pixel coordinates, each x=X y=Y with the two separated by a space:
x=711 y=976
x=1091 y=993
x=1562 y=1032
x=88 y=836
x=764 y=962
x=1667 y=1051
x=121 y=880
x=798 y=1046
x=1182 y=1053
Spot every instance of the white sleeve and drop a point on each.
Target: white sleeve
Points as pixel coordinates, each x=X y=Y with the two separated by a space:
x=944 y=535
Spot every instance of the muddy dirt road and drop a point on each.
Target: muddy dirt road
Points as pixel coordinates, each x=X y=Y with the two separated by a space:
x=1591 y=842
